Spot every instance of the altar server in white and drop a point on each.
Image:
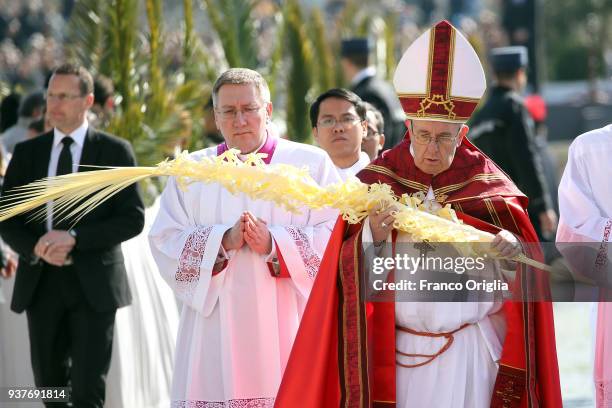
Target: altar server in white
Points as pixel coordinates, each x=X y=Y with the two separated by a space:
x=242 y=268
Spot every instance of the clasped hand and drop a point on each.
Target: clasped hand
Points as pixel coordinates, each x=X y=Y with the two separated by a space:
x=54 y=247
x=250 y=230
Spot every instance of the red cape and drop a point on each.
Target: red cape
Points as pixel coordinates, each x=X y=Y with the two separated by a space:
x=344 y=352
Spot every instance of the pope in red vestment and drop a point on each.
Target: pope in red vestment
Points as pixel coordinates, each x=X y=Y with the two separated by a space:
x=345 y=351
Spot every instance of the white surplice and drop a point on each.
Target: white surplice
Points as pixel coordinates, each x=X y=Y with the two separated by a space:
x=463 y=375
x=585 y=207
x=237 y=327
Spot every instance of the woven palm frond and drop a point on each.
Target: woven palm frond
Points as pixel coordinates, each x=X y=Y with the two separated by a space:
x=75 y=195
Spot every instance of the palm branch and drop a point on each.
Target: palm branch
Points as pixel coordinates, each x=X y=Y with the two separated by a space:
x=276 y=61
x=76 y=194
x=157 y=96
x=84 y=41
x=299 y=80
x=122 y=35
x=325 y=68
x=188 y=41
x=232 y=20
x=389 y=35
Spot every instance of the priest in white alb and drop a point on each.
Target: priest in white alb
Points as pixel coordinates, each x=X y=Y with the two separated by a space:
x=243 y=268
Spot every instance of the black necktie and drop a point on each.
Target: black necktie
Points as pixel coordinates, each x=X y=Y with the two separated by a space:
x=64 y=166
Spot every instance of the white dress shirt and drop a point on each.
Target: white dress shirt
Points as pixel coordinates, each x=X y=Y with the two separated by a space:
x=76 y=149
x=363 y=74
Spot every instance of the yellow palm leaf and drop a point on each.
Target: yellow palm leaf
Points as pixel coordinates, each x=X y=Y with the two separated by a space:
x=74 y=195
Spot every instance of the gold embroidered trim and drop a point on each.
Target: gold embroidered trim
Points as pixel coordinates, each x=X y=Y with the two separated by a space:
x=493 y=212
x=477 y=177
x=453 y=98
x=408 y=183
x=451 y=58
x=437 y=100
x=432 y=41
x=512 y=216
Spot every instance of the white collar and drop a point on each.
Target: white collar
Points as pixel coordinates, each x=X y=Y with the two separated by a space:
x=78 y=134
x=364 y=159
x=356 y=167
x=363 y=74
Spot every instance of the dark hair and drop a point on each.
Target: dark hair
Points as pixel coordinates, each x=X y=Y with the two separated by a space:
x=38 y=125
x=9 y=111
x=32 y=102
x=339 y=93
x=359 y=60
x=380 y=121
x=85 y=79
x=103 y=89
x=506 y=75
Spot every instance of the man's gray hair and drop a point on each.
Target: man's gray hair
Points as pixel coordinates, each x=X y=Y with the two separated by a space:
x=242 y=76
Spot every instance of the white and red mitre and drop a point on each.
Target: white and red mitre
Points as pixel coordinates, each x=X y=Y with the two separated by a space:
x=440 y=76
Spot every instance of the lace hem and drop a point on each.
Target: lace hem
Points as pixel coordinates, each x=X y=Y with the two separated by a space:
x=604 y=394
x=188 y=272
x=234 y=403
x=602 y=255
x=312 y=261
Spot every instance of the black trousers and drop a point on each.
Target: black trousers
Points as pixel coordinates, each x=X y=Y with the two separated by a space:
x=70 y=343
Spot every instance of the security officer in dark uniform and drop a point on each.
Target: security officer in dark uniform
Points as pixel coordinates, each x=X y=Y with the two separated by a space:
x=364 y=82
x=504 y=131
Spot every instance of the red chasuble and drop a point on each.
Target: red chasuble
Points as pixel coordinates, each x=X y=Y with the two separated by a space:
x=344 y=353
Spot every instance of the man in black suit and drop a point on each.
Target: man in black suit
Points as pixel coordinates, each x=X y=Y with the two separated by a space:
x=364 y=82
x=71 y=279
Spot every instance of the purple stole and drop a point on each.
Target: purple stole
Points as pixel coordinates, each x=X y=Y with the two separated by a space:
x=268 y=147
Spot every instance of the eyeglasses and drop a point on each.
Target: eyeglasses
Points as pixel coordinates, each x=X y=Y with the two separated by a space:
x=372 y=132
x=231 y=114
x=425 y=139
x=61 y=97
x=346 y=121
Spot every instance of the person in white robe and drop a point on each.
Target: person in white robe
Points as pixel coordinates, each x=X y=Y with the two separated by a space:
x=243 y=268
x=339 y=125
x=140 y=373
x=585 y=205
